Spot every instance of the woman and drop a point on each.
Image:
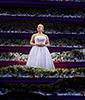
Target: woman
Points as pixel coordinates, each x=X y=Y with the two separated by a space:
x=39 y=55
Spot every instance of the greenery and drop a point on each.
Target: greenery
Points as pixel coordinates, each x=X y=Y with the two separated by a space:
x=11 y=56
x=43 y=12
x=63 y=42
x=71 y=56
x=31 y=72
x=73 y=85
x=30 y=26
x=74 y=55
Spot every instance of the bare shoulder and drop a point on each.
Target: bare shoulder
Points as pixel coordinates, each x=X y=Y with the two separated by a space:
x=45 y=35
x=34 y=35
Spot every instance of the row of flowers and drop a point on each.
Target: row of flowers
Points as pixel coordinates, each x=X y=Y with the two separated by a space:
x=46 y=12
x=71 y=56
x=63 y=42
x=11 y=56
x=65 y=87
x=46 y=32
x=24 y=71
x=68 y=42
x=51 y=27
x=14 y=42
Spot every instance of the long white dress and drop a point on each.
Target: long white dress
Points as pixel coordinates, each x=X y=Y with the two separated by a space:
x=40 y=56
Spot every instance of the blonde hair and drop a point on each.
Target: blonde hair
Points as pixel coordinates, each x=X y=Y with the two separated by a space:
x=42 y=26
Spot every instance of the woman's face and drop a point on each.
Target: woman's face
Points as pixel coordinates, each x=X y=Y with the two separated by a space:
x=39 y=28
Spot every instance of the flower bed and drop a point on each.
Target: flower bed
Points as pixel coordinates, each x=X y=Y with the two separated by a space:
x=71 y=56
x=51 y=27
x=31 y=72
x=46 y=12
x=63 y=42
x=63 y=87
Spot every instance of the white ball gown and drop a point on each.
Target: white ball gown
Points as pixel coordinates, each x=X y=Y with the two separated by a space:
x=40 y=56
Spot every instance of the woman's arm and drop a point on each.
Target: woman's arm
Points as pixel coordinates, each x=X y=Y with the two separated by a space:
x=32 y=40
x=47 y=41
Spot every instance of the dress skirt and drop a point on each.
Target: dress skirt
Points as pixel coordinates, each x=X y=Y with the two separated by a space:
x=40 y=57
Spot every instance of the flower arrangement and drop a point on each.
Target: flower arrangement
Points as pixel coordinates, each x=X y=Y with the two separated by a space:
x=51 y=27
x=62 y=87
x=46 y=12
x=68 y=42
x=71 y=56
x=14 y=42
x=24 y=71
x=63 y=42
x=13 y=56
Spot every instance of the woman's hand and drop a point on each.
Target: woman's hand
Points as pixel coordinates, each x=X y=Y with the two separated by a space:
x=41 y=44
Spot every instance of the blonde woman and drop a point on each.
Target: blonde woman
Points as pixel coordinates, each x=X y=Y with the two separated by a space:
x=39 y=55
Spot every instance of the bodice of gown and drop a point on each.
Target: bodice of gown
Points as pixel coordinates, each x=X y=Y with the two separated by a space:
x=39 y=39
